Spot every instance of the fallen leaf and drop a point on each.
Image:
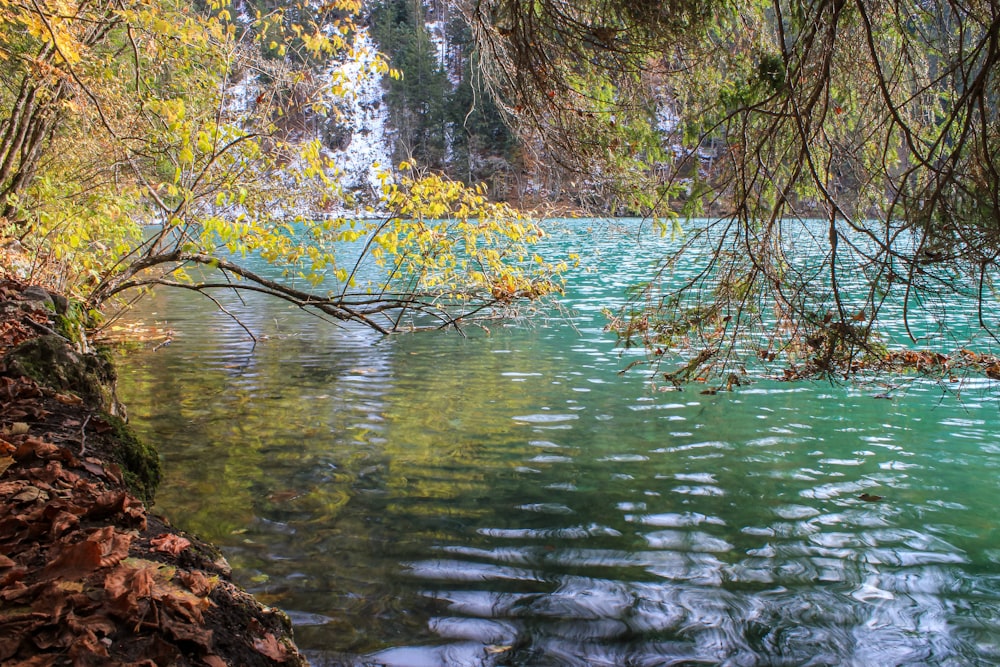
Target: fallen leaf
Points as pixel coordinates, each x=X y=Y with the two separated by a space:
x=5 y=462
x=17 y=428
x=74 y=561
x=41 y=449
x=63 y=522
x=30 y=495
x=94 y=468
x=270 y=647
x=169 y=543
x=187 y=632
x=198 y=583
x=69 y=399
x=114 y=546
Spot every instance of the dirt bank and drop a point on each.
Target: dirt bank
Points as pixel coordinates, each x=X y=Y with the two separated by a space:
x=88 y=576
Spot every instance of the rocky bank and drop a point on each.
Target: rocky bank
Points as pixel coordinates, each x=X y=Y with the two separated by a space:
x=88 y=575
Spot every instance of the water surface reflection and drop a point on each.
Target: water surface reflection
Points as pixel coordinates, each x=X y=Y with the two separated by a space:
x=508 y=499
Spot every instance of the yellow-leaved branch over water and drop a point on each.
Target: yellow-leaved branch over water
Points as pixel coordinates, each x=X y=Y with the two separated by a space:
x=168 y=143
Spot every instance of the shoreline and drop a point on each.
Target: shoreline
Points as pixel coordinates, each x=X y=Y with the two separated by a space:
x=88 y=574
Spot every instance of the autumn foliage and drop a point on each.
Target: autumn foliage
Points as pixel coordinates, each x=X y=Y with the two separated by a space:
x=87 y=575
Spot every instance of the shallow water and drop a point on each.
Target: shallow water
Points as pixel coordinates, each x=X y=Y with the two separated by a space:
x=509 y=498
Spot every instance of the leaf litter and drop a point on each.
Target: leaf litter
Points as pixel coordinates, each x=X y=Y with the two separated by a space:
x=87 y=575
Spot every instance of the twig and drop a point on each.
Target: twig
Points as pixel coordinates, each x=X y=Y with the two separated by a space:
x=83 y=435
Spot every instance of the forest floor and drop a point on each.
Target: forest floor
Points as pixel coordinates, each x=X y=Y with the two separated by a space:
x=88 y=575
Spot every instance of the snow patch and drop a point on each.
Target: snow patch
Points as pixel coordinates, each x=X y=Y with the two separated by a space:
x=355 y=93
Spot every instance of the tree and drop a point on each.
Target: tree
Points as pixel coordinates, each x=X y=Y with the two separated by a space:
x=138 y=140
x=879 y=119
x=417 y=98
x=481 y=140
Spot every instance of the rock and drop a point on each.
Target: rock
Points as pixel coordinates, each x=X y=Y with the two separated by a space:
x=38 y=294
x=52 y=362
x=61 y=303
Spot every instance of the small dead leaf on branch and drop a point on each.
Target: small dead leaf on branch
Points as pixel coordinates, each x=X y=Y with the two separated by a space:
x=169 y=543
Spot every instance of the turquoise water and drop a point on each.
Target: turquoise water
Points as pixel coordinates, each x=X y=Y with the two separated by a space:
x=506 y=497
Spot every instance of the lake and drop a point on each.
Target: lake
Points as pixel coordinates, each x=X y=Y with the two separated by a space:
x=506 y=497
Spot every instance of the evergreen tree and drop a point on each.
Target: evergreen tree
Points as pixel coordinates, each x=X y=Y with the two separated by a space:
x=417 y=100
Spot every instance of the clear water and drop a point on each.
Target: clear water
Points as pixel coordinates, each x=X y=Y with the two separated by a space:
x=507 y=498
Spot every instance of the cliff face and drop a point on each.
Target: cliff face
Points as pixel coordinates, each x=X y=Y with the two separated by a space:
x=87 y=575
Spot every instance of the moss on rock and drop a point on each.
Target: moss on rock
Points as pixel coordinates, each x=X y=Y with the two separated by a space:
x=53 y=363
x=139 y=461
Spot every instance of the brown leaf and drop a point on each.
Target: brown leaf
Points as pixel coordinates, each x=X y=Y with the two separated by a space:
x=74 y=561
x=86 y=646
x=101 y=425
x=116 y=581
x=51 y=603
x=49 y=638
x=121 y=596
x=270 y=647
x=5 y=462
x=12 y=487
x=63 y=522
x=69 y=399
x=11 y=636
x=94 y=468
x=39 y=448
x=143 y=580
x=6 y=562
x=213 y=661
x=30 y=495
x=170 y=543
x=188 y=632
x=17 y=428
x=9 y=591
x=115 y=471
x=98 y=624
x=114 y=545
x=186 y=604
x=198 y=583
x=102 y=548
x=106 y=504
